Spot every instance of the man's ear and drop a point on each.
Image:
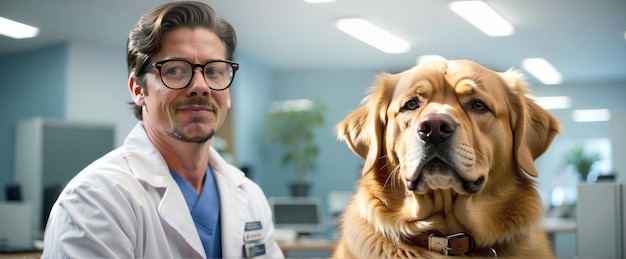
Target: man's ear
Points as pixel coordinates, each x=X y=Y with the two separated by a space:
x=136 y=91
x=228 y=103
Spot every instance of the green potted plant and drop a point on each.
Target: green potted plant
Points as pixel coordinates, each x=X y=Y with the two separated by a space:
x=291 y=125
x=582 y=160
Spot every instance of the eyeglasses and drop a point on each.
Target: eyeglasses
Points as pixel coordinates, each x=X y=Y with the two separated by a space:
x=177 y=73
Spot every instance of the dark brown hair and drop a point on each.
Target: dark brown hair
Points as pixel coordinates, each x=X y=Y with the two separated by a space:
x=145 y=39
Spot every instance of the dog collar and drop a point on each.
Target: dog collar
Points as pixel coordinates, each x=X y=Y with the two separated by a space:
x=455 y=244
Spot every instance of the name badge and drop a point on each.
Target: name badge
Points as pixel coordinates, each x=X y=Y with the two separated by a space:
x=252 y=250
x=253 y=231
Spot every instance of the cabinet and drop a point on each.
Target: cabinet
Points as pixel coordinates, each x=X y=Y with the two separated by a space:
x=49 y=152
x=601 y=217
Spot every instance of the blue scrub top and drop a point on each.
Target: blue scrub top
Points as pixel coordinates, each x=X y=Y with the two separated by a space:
x=205 y=211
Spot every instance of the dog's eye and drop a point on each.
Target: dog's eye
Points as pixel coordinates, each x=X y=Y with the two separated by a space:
x=479 y=106
x=411 y=104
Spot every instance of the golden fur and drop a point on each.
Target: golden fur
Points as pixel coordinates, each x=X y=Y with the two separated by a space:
x=475 y=177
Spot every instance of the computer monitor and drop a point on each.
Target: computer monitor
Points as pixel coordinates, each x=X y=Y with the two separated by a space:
x=13 y=192
x=302 y=215
x=16 y=226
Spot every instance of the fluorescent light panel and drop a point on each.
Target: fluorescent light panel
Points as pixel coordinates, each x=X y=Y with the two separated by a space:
x=591 y=115
x=291 y=105
x=554 y=102
x=373 y=35
x=429 y=58
x=542 y=70
x=17 y=30
x=483 y=17
x=318 y=1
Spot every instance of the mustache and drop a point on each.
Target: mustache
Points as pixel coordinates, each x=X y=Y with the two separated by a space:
x=195 y=102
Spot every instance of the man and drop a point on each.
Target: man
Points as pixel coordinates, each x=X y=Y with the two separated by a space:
x=166 y=193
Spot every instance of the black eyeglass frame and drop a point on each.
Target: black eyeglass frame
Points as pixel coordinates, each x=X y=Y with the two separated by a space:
x=159 y=64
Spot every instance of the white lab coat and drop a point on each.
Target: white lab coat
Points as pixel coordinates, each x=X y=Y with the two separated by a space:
x=127 y=205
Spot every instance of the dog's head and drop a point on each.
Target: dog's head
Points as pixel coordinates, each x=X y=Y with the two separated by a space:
x=449 y=125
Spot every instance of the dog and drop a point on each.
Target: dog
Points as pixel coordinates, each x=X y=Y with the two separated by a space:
x=449 y=150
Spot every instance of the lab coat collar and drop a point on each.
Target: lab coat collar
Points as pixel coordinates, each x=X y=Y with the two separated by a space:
x=234 y=177
x=145 y=160
x=150 y=166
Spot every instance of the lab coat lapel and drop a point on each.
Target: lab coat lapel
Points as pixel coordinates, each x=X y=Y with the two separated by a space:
x=234 y=203
x=149 y=166
x=174 y=211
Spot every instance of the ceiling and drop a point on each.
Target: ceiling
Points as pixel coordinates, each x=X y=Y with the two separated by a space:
x=583 y=39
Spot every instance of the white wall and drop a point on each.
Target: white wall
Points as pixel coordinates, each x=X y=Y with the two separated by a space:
x=251 y=94
x=97 y=87
x=553 y=171
x=616 y=130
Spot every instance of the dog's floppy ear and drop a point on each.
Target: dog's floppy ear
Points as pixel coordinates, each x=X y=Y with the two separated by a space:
x=363 y=128
x=533 y=127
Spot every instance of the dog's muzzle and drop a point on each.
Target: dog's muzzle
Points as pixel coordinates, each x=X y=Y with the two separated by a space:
x=437 y=170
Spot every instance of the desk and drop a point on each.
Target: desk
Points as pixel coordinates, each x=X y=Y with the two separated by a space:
x=29 y=255
x=558 y=225
x=318 y=246
x=553 y=226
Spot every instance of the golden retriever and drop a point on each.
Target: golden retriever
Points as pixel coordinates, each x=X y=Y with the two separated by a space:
x=449 y=150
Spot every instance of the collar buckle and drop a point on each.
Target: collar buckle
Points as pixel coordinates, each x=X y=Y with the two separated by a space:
x=441 y=244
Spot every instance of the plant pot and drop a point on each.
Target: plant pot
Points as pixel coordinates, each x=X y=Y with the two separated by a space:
x=300 y=189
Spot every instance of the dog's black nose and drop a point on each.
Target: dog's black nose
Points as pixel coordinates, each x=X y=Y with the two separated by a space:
x=436 y=128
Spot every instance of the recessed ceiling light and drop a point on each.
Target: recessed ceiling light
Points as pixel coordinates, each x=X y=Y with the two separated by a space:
x=373 y=35
x=291 y=105
x=542 y=70
x=429 y=58
x=318 y=1
x=479 y=14
x=591 y=115
x=553 y=102
x=17 y=30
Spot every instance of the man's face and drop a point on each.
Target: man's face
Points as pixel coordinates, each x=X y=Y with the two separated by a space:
x=194 y=113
